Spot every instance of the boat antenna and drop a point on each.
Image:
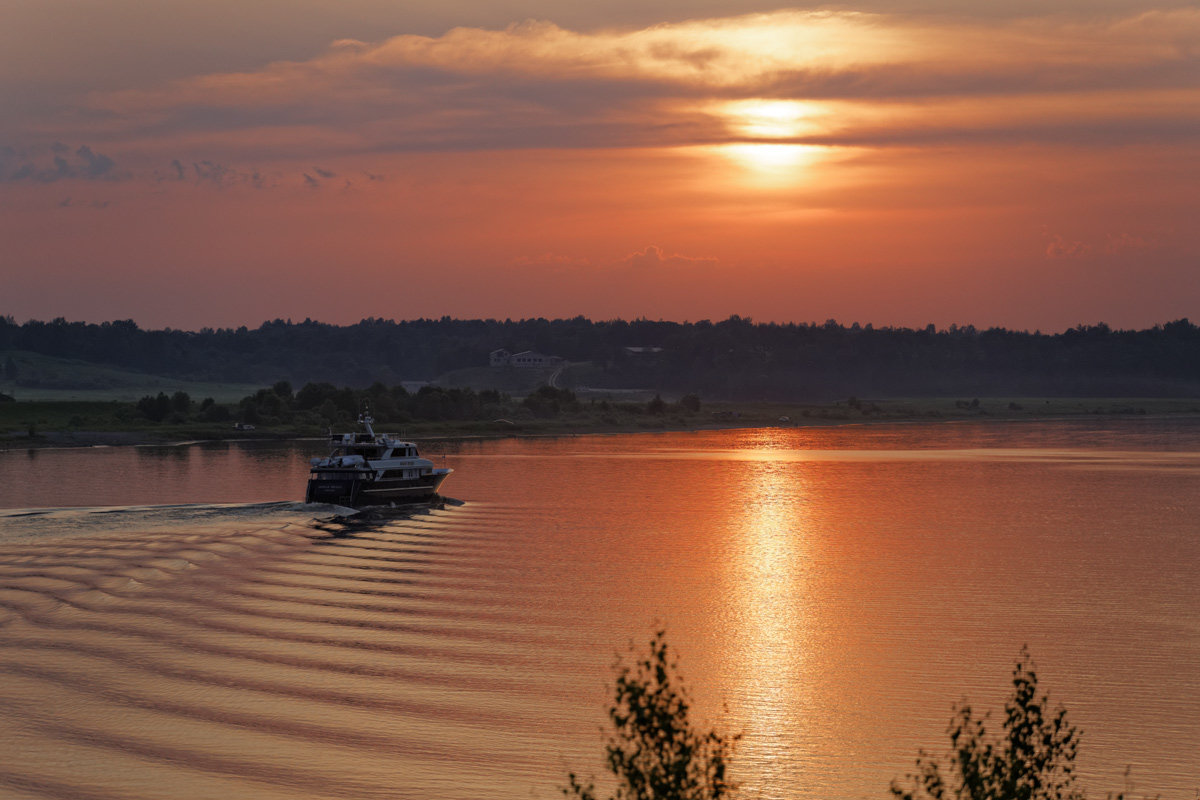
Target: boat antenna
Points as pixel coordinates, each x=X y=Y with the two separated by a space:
x=366 y=420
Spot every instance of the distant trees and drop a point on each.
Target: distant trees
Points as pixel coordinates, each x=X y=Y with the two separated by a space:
x=212 y=411
x=181 y=402
x=548 y=401
x=155 y=408
x=733 y=359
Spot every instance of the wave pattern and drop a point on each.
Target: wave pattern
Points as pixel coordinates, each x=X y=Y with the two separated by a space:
x=284 y=659
x=831 y=593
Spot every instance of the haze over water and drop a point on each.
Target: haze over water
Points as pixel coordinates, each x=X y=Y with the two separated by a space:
x=831 y=593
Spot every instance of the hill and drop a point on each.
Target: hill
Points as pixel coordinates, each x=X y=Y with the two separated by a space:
x=35 y=376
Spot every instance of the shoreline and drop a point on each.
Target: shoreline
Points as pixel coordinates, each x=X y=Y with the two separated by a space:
x=466 y=431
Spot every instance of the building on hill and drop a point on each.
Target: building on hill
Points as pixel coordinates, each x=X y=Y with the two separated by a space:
x=525 y=359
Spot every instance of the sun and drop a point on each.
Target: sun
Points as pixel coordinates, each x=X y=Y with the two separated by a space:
x=768 y=130
x=778 y=159
x=770 y=119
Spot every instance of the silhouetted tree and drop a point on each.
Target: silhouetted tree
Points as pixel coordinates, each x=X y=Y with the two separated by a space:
x=1033 y=759
x=181 y=402
x=155 y=408
x=654 y=751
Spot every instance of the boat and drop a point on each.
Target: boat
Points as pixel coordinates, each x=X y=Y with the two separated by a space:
x=372 y=469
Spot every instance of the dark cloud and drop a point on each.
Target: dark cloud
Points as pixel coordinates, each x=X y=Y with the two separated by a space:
x=221 y=175
x=67 y=202
x=324 y=173
x=1059 y=246
x=83 y=164
x=96 y=165
x=214 y=173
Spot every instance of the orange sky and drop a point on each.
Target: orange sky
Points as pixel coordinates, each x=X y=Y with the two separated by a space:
x=213 y=164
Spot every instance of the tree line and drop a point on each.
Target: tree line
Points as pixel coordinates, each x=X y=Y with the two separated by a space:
x=323 y=404
x=735 y=359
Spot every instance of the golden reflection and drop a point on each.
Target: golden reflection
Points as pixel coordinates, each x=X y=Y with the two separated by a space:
x=769 y=573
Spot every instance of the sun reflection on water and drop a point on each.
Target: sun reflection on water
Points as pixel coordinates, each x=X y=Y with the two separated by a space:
x=772 y=648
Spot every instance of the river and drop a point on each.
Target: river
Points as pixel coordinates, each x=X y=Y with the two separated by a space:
x=174 y=624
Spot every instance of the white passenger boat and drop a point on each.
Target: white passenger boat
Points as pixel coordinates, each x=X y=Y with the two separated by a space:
x=371 y=469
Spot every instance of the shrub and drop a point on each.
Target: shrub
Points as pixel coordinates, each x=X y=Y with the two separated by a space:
x=154 y=408
x=1033 y=759
x=654 y=752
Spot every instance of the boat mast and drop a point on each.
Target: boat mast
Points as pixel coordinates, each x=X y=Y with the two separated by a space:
x=365 y=419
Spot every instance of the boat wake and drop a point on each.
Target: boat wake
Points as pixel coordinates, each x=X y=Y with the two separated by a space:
x=268 y=650
x=18 y=524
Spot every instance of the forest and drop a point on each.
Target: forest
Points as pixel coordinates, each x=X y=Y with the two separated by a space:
x=734 y=359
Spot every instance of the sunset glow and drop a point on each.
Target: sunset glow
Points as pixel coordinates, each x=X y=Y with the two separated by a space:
x=888 y=164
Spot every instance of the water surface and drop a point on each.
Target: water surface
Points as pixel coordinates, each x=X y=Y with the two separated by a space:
x=173 y=624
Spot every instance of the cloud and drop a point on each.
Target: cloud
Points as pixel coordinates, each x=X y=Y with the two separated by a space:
x=67 y=202
x=96 y=165
x=1058 y=246
x=83 y=164
x=552 y=260
x=222 y=175
x=654 y=258
x=862 y=79
x=1061 y=247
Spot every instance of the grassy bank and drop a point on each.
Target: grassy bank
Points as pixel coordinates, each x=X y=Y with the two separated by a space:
x=82 y=423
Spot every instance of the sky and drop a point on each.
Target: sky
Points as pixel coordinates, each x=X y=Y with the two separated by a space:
x=900 y=162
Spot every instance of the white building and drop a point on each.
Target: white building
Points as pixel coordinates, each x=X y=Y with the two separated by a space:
x=525 y=359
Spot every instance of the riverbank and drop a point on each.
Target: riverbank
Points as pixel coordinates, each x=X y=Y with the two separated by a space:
x=50 y=424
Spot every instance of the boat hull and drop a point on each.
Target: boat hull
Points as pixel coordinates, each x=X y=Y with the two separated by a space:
x=356 y=489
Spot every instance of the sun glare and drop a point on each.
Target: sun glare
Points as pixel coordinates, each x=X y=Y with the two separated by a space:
x=772 y=163
x=764 y=126
x=770 y=119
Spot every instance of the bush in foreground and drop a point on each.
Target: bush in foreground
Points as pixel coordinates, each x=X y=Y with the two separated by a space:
x=1032 y=759
x=654 y=752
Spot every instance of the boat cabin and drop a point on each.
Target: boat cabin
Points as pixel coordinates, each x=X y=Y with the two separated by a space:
x=371 y=448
